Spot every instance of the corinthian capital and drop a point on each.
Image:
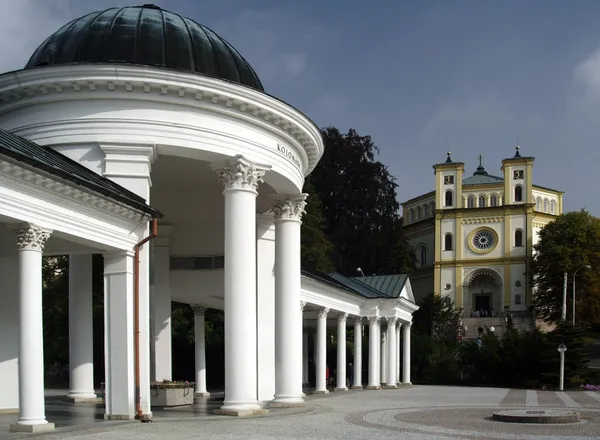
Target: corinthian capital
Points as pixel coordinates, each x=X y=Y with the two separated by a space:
x=288 y=207
x=31 y=238
x=342 y=318
x=198 y=310
x=373 y=320
x=322 y=313
x=240 y=173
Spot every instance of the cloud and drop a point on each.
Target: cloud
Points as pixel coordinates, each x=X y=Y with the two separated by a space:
x=295 y=63
x=586 y=76
x=469 y=114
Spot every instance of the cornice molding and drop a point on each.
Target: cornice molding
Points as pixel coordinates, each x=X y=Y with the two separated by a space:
x=25 y=87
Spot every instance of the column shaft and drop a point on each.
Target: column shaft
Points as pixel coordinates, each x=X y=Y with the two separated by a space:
x=391 y=346
x=288 y=308
x=32 y=417
x=341 y=353
x=81 y=328
x=406 y=354
x=398 y=352
x=321 y=352
x=305 y=358
x=373 y=353
x=241 y=179
x=383 y=355
x=199 y=352
x=357 y=383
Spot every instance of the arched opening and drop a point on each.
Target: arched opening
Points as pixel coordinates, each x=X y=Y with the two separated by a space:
x=470 y=202
x=482 y=201
x=449 y=199
x=422 y=256
x=518 y=238
x=518 y=193
x=484 y=293
x=493 y=200
x=448 y=242
x=518 y=299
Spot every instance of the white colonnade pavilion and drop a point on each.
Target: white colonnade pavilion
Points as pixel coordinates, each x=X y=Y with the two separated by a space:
x=107 y=129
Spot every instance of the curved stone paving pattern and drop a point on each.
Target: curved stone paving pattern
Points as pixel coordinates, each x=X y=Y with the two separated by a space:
x=472 y=423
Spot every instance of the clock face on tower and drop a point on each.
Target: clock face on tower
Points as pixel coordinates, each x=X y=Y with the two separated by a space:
x=483 y=240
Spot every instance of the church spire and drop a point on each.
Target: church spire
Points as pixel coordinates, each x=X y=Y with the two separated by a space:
x=480 y=169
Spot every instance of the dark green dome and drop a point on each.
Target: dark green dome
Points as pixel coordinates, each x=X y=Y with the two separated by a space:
x=145 y=35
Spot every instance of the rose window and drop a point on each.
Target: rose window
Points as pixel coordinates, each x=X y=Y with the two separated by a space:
x=483 y=240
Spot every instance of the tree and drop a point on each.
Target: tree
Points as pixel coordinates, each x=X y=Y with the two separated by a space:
x=359 y=205
x=317 y=250
x=565 y=245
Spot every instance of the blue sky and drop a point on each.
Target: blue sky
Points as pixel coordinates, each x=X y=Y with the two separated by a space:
x=420 y=77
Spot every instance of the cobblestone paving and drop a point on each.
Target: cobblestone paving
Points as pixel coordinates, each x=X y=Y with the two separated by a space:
x=418 y=412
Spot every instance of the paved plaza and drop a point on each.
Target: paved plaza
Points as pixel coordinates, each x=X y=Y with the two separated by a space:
x=417 y=412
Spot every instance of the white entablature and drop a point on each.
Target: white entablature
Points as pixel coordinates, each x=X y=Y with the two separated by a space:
x=181 y=114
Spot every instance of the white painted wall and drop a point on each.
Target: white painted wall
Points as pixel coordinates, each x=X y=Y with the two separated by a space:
x=517 y=273
x=9 y=331
x=447 y=276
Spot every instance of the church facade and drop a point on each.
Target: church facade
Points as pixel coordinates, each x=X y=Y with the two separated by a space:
x=473 y=236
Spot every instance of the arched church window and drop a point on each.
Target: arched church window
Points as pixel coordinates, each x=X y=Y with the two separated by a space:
x=481 y=201
x=518 y=193
x=411 y=216
x=419 y=213
x=545 y=205
x=426 y=211
x=448 y=242
x=552 y=207
x=538 y=204
x=470 y=202
x=493 y=200
x=518 y=299
x=422 y=256
x=518 y=238
x=448 y=198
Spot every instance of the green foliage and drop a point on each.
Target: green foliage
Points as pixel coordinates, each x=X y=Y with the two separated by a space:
x=359 y=206
x=317 y=250
x=565 y=245
x=434 y=341
x=524 y=359
x=55 y=282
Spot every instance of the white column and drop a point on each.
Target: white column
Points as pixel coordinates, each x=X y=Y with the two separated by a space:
x=406 y=355
x=321 y=352
x=305 y=358
x=357 y=380
x=199 y=351
x=32 y=413
x=373 y=353
x=161 y=354
x=288 y=210
x=118 y=336
x=241 y=179
x=391 y=346
x=341 y=353
x=398 y=353
x=81 y=328
x=383 y=354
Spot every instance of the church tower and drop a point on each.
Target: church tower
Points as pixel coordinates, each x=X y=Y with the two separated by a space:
x=448 y=197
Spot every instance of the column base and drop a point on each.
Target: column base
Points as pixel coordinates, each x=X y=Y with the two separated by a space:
x=406 y=383
x=119 y=416
x=241 y=412
x=84 y=398
x=373 y=387
x=357 y=387
x=201 y=395
x=389 y=387
x=285 y=402
x=341 y=389
x=31 y=429
x=321 y=392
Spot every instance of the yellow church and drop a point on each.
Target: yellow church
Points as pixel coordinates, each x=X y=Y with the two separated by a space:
x=473 y=236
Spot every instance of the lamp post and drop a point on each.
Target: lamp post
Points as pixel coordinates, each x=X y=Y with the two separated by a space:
x=359 y=270
x=587 y=266
x=563 y=314
x=561 y=349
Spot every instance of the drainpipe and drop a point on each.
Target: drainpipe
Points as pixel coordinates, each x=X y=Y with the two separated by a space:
x=144 y=418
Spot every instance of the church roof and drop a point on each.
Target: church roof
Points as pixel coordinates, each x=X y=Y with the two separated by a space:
x=56 y=164
x=482 y=179
x=145 y=35
x=383 y=286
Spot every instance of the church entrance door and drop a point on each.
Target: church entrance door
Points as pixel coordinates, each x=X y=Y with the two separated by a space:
x=483 y=301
